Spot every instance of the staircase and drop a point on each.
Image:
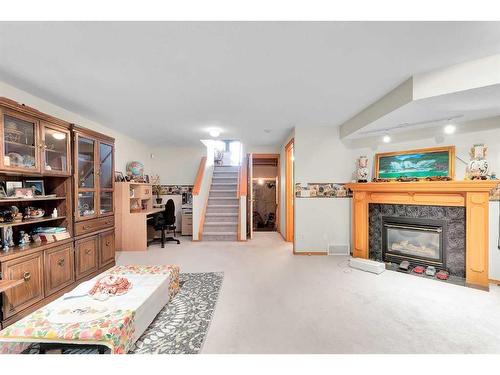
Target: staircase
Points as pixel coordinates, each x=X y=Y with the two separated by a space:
x=221 y=217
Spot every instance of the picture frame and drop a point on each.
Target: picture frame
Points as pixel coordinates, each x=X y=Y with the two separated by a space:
x=418 y=163
x=37 y=186
x=11 y=186
x=119 y=177
x=26 y=193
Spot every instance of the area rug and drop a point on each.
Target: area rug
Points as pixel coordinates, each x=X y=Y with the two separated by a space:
x=182 y=325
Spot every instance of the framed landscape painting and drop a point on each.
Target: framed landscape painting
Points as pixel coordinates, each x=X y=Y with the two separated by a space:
x=421 y=163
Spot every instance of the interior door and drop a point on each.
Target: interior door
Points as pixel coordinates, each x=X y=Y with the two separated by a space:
x=250 y=196
x=289 y=191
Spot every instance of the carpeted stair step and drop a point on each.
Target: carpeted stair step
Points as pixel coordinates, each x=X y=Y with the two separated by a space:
x=223 y=186
x=233 y=169
x=219 y=236
x=222 y=180
x=223 y=193
x=221 y=217
x=225 y=173
x=222 y=209
x=222 y=201
x=218 y=226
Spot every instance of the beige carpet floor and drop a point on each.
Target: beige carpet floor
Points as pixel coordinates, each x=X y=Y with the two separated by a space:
x=274 y=302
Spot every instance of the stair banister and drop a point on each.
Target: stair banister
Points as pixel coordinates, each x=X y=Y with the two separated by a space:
x=242 y=196
x=201 y=191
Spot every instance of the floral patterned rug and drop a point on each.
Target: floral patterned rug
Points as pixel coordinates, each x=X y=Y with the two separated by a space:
x=182 y=325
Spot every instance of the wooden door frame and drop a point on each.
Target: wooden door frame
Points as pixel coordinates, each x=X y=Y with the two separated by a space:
x=289 y=193
x=278 y=187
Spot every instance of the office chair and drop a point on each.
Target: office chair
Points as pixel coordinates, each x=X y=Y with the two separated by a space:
x=165 y=221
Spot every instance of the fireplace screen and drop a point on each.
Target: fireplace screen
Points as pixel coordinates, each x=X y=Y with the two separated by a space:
x=415 y=240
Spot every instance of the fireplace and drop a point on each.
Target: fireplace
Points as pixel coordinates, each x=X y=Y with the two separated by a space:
x=422 y=235
x=420 y=241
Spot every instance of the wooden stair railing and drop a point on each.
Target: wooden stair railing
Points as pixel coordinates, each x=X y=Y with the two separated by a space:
x=199 y=176
x=242 y=190
x=196 y=191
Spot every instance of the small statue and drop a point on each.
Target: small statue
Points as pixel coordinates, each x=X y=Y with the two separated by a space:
x=8 y=238
x=478 y=165
x=24 y=238
x=362 y=172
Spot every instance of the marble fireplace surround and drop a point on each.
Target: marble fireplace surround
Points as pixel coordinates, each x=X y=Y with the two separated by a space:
x=454 y=217
x=472 y=195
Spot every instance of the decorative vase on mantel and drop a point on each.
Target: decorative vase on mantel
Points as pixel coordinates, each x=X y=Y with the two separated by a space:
x=478 y=165
x=362 y=172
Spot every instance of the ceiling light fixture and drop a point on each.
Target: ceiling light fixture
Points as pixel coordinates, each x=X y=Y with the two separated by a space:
x=59 y=136
x=450 y=129
x=260 y=181
x=214 y=132
x=386 y=138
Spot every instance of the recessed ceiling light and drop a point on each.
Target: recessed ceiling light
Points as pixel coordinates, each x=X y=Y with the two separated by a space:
x=450 y=129
x=214 y=132
x=386 y=138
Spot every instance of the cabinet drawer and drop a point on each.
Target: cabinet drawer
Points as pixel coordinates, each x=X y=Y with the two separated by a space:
x=106 y=248
x=59 y=268
x=93 y=225
x=29 y=269
x=86 y=256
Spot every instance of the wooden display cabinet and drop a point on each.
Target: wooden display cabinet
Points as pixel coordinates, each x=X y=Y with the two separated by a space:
x=94 y=175
x=76 y=166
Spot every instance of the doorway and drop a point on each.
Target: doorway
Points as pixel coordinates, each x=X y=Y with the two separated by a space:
x=265 y=192
x=289 y=191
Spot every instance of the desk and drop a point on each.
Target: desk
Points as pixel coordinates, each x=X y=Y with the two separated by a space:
x=131 y=227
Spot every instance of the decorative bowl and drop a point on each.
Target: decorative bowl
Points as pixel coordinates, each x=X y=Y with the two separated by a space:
x=37 y=214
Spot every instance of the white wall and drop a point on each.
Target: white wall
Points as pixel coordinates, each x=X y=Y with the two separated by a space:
x=126 y=148
x=321 y=157
x=177 y=165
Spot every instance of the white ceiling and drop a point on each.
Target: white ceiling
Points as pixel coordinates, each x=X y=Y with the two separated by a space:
x=166 y=82
x=458 y=108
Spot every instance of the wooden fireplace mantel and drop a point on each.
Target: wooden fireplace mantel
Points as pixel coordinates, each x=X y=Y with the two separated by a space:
x=473 y=195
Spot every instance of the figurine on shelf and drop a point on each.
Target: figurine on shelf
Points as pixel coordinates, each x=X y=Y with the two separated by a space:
x=24 y=238
x=362 y=172
x=478 y=165
x=16 y=215
x=7 y=238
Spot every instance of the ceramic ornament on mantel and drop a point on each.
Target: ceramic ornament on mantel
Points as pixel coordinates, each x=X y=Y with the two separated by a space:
x=362 y=172
x=478 y=165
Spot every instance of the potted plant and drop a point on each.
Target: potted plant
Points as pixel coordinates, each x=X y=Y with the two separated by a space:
x=156 y=187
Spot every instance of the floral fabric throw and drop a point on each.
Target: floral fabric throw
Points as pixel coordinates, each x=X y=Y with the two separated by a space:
x=114 y=329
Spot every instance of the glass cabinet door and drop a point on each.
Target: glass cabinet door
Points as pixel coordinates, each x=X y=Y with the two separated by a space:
x=86 y=181
x=106 y=177
x=55 y=150
x=20 y=141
